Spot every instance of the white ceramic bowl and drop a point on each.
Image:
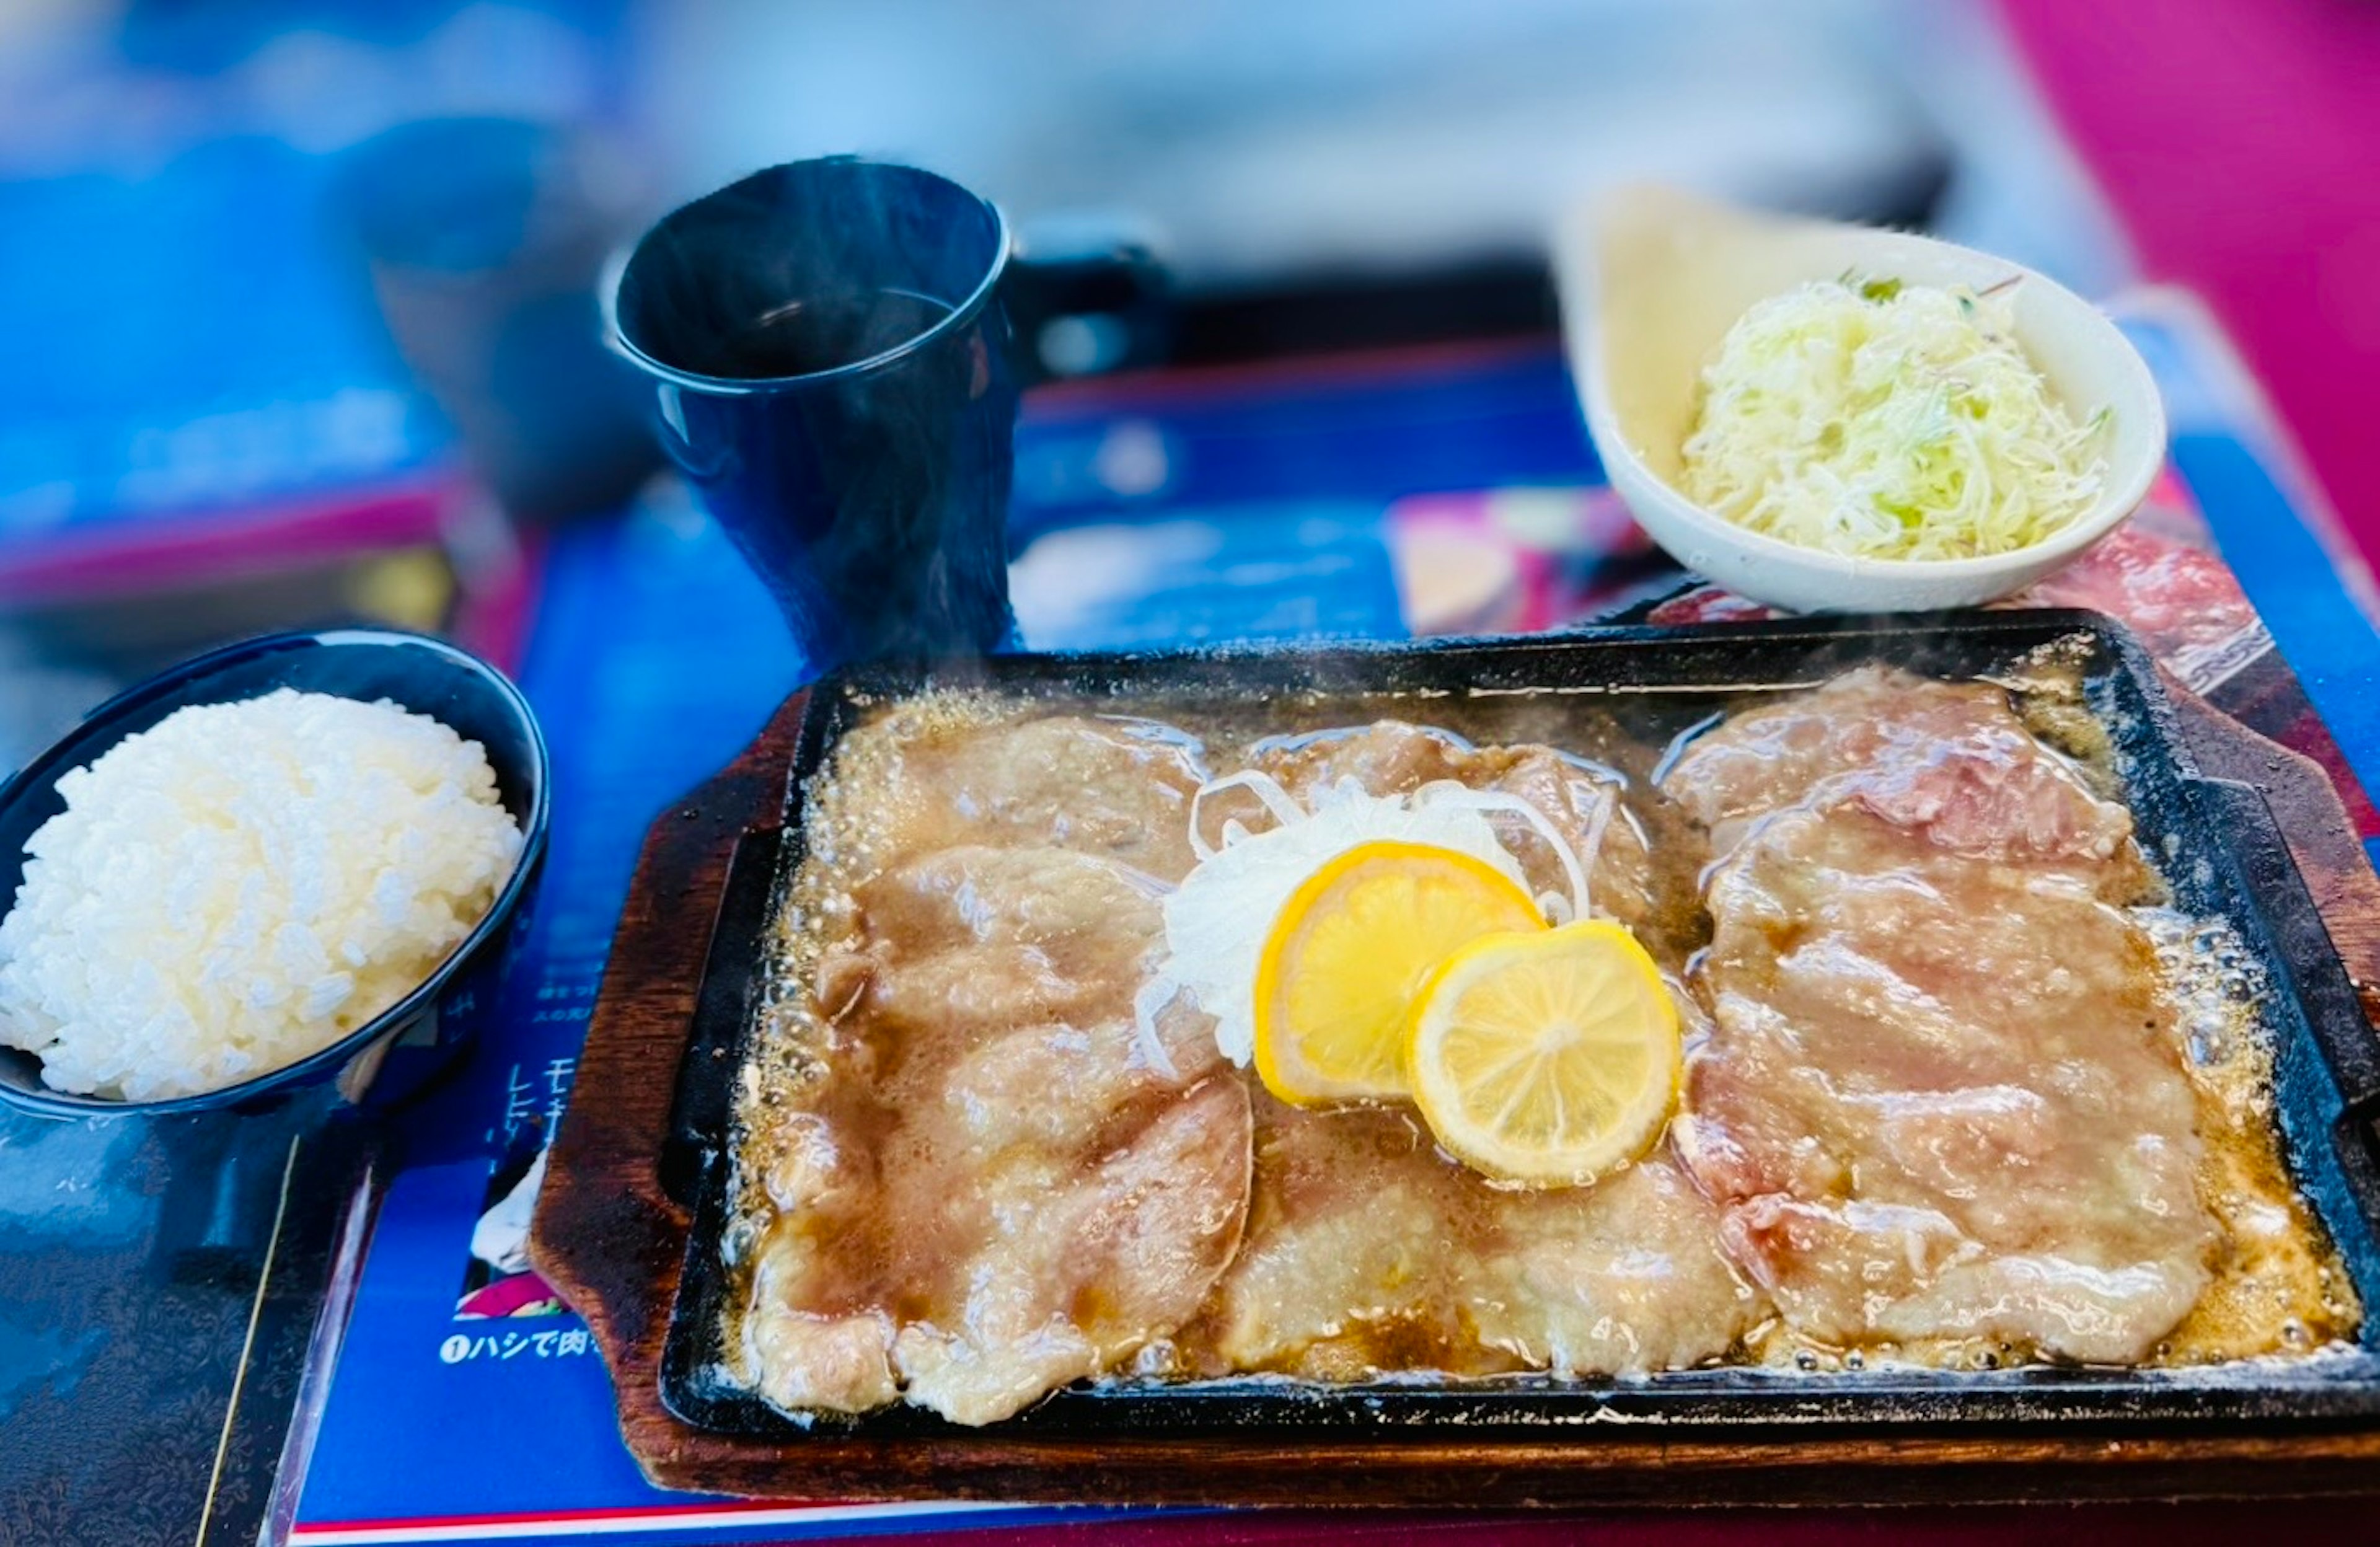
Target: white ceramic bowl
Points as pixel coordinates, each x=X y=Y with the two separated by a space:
x=1651 y=282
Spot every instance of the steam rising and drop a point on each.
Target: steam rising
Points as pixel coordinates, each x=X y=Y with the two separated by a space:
x=836 y=385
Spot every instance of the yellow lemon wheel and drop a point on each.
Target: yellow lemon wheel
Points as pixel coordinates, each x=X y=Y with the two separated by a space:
x=1548 y=1057
x=1350 y=948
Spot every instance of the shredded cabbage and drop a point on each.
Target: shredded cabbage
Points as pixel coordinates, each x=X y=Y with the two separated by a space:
x=1887 y=421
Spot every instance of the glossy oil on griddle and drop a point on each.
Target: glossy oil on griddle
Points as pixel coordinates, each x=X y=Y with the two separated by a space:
x=1720 y=1305
x=966 y=1177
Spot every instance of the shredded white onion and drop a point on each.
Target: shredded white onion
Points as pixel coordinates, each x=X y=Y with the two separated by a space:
x=1155 y=995
x=1446 y=792
x=1605 y=802
x=1263 y=785
x=1218 y=920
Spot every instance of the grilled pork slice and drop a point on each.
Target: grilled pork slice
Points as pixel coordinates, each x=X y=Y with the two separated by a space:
x=980 y=937
x=1943 y=1096
x=1114 y=789
x=1367 y=1251
x=997 y=1187
x=1949 y=762
x=1582 y=800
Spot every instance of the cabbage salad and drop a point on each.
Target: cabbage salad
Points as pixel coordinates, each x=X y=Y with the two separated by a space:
x=1878 y=420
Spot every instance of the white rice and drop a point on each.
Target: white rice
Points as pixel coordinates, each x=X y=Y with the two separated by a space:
x=242 y=886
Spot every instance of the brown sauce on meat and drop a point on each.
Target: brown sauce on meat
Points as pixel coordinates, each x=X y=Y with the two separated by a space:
x=2278 y=1286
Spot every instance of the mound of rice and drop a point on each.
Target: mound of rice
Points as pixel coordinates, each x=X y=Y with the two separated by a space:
x=244 y=884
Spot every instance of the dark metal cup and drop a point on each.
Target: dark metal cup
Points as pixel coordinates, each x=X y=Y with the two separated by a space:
x=831 y=353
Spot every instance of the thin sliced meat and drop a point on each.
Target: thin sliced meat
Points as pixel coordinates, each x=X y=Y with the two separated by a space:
x=1584 y=802
x=1367 y=1251
x=1391 y=757
x=1623 y=1278
x=813 y=1339
x=1119 y=789
x=1942 y=1099
x=1342 y=1264
x=976 y=1288
x=1079 y=1271
x=975 y=937
x=1949 y=761
x=997 y=1184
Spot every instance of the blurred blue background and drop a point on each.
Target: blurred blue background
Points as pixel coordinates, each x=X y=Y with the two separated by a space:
x=272 y=365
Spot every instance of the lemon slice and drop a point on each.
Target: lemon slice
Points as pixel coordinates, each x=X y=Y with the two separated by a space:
x=1547 y=1057
x=1349 y=951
